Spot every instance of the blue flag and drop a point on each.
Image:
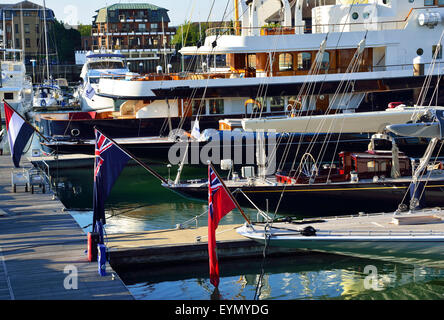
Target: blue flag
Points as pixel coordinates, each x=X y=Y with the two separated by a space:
x=109 y=162
x=89 y=91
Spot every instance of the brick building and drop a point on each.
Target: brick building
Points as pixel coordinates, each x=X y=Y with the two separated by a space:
x=139 y=30
x=24 y=27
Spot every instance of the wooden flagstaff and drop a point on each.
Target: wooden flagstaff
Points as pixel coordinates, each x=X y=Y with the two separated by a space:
x=229 y=193
x=35 y=129
x=144 y=165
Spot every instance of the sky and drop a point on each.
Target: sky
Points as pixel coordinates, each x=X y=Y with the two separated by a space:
x=82 y=11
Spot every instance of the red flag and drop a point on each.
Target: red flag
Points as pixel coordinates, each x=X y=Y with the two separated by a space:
x=219 y=204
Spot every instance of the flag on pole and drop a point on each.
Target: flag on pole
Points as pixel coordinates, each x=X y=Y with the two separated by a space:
x=219 y=204
x=89 y=91
x=195 y=132
x=109 y=162
x=19 y=132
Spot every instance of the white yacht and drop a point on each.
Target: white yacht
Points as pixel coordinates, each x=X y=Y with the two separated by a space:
x=97 y=66
x=278 y=47
x=15 y=86
x=48 y=95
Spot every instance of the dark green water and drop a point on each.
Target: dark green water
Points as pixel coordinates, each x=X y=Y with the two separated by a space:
x=138 y=202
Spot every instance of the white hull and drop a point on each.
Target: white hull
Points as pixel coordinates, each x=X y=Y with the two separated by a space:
x=341 y=123
x=372 y=236
x=97 y=103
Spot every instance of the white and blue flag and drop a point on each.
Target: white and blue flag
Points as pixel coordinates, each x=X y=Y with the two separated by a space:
x=89 y=91
x=195 y=132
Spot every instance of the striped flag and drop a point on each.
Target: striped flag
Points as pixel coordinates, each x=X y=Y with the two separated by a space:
x=19 y=132
x=219 y=204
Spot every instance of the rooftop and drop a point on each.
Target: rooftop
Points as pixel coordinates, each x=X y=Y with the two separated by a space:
x=156 y=13
x=134 y=6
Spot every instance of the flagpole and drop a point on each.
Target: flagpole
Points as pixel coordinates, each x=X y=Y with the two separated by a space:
x=46 y=139
x=229 y=193
x=148 y=168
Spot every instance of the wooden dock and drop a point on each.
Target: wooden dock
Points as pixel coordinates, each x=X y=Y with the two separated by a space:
x=182 y=246
x=43 y=250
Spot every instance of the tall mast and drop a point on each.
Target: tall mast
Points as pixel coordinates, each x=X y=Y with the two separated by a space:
x=164 y=47
x=236 y=17
x=22 y=27
x=13 y=30
x=46 y=38
x=4 y=31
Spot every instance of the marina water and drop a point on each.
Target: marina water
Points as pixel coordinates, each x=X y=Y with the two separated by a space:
x=138 y=203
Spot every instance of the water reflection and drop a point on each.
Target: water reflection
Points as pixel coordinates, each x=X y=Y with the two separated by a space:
x=314 y=276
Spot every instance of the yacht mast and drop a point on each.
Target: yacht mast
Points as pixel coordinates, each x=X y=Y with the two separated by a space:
x=23 y=31
x=236 y=17
x=46 y=38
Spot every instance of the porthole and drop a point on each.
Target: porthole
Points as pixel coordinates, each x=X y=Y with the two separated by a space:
x=355 y=15
x=75 y=132
x=419 y=52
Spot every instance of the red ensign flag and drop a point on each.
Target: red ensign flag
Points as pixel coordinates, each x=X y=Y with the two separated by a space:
x=219 y=204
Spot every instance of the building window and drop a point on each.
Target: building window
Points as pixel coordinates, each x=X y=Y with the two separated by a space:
x=216 y=106
x=37 y=28
x=16 y=27
x=304 y=61
x=285 y=62
x=27 y=28
x=28 y=43
x=153 y=25
x=142 y=27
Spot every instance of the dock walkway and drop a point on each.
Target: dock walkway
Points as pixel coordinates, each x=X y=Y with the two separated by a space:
x=42 y=250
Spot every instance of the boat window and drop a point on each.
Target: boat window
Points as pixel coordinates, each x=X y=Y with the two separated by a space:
x=438 y=54
x=285 y=62
x=325 y=63
x=9 y=96
x=304 y=61
x=371 y=166
x=196 y=105
x=106 y=65
x=94 y=80
x=216 y=106
x=251 y=61
x=433 y=2
x=277 y=104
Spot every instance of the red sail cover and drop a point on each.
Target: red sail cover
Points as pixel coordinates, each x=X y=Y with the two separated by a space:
x=219 y=204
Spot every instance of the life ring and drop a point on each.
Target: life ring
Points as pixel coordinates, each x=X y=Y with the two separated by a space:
x=43 y=103
x=75 y=132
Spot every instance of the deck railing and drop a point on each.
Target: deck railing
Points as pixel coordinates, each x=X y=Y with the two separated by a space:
x=319 y=28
